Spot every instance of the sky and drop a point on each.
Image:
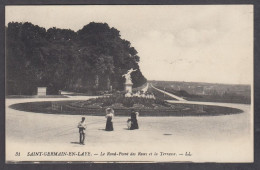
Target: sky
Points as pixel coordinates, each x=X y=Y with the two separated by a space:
x=198 y=43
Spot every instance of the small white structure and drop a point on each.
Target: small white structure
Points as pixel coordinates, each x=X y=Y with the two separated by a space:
x=41 y=91
x=128 y=87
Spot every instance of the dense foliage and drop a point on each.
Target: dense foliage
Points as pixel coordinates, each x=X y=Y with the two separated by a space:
x=89 y=60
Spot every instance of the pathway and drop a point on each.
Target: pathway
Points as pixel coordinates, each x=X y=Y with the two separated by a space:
x=226 y=138
x=169 y=94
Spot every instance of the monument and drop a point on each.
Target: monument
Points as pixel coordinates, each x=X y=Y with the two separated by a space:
x=128 y=81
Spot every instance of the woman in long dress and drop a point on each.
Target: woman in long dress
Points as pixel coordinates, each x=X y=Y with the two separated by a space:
x=134 y=122
x=109 y=116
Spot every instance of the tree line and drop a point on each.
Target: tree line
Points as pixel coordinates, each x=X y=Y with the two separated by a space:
x=90 y=60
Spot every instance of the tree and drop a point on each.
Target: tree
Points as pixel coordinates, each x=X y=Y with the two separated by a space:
x=90 y=59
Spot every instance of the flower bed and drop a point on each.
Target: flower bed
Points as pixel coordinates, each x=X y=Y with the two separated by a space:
x=176 y=109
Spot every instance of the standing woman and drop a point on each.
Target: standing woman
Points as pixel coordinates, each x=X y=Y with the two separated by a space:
x=134 y=122
x=109 y=116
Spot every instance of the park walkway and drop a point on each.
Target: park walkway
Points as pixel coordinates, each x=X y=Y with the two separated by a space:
x=169 y=94
x=203 y=136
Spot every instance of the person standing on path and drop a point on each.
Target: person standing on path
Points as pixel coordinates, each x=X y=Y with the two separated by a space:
x=82 y=128
x=109 y=116
x=134 y=122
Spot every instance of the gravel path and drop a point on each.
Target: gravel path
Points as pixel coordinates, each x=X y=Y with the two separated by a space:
x=226 y=138
x=169 y=94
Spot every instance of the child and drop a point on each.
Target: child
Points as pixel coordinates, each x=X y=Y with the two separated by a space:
x=129 y=123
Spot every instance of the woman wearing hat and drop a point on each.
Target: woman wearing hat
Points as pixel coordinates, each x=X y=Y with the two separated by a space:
x=109 y=116
x=134 y=122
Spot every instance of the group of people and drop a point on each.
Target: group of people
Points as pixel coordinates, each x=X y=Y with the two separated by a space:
x=132 y=123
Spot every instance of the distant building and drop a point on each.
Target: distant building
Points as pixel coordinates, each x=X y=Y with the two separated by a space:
x=41 y=91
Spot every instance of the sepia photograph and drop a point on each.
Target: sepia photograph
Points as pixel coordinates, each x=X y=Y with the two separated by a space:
x=129 y=83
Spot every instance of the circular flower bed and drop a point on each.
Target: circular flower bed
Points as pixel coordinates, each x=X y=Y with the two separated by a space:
x=123 y=105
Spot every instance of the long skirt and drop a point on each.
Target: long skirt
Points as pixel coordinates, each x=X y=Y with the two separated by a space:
x=109 y=125
x=134 y=124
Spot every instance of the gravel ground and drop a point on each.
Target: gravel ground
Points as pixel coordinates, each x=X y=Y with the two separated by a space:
x=226 y=138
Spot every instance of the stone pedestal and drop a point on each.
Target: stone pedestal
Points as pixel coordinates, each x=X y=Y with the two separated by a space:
x=128 y=87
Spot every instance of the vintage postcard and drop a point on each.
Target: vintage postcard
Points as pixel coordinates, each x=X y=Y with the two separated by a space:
x=129 y=83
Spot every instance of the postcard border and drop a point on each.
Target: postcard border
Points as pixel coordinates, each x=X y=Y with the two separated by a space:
x=82 y=165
